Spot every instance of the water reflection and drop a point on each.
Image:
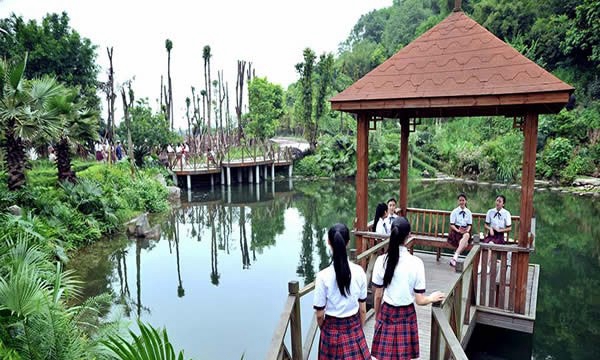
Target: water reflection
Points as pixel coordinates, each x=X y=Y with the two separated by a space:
x=229 y=254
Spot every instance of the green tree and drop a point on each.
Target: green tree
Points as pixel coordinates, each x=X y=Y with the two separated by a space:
x=25 y=115
x=266 y=108
x=54 y=49
x=305 y=70
x=149 y=130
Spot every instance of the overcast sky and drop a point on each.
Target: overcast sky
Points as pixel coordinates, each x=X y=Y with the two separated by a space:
x=270 y=34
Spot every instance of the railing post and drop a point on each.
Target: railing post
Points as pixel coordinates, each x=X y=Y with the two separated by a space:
x=295 y=324
x=434 y=343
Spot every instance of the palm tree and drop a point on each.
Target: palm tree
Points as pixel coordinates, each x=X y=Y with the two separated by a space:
x=79 y=126
x=24 y=116
x=169 y=47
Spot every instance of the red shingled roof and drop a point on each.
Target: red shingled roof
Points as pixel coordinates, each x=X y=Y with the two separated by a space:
x=455 y=59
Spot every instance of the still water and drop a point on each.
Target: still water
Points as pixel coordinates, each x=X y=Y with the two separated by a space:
x=217 y=278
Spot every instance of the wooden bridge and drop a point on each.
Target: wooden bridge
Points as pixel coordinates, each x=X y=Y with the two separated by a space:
x=251 y=164
x=473 y=296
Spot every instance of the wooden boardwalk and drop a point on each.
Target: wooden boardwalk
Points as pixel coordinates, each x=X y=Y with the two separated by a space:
x=439 y=275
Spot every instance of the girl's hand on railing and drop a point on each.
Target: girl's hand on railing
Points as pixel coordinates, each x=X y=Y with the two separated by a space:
x=436 y=296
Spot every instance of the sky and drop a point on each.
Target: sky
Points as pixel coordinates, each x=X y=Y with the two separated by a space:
x=270 y=34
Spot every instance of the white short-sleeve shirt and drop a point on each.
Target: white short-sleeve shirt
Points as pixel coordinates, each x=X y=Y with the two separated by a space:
x=408 y=279
x=498 y=219
x=329 y=297
x=461 y=217
x=383 y=227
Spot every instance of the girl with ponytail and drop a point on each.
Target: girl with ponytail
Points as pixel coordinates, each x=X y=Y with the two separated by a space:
x=340 y=295
x=399 y=280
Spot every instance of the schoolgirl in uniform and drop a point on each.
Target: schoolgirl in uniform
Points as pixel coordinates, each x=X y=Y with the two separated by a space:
x=340 y=295
x=461 y=222
x=399 y=281
x=497 y=222
x=380 y=223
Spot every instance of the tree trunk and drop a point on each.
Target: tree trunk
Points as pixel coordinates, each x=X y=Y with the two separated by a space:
x=15 y=158
x=63 y=161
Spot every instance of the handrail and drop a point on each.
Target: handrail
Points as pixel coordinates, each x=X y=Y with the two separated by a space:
x=291 y=313
x=456 y=350
x=281 y=328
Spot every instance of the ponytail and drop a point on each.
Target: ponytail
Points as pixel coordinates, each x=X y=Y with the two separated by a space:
x=398 y=235
x=379 y=211
x=339 y=235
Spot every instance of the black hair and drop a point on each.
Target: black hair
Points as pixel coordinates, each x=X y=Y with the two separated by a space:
x=339 y=235
x=391 y=199
x=400 y=231
x=379 y=211
x=461 y=195
x=503 y=199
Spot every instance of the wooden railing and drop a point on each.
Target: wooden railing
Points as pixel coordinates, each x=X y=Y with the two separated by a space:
x=290 y=317
x=437 y=223
x=449 y=317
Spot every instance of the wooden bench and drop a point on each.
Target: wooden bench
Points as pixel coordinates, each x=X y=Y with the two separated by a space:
x=430 y=229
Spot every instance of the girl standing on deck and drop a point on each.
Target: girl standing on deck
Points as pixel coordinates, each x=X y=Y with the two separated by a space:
x=340 y=295
x=399 y=281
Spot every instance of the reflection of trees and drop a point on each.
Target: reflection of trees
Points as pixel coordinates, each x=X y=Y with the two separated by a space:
x=214 y=272
x=180 y=289
x=568 y=250
x=267 y=222
x=243 y=238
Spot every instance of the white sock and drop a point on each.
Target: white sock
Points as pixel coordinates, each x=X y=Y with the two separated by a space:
x=455 y=257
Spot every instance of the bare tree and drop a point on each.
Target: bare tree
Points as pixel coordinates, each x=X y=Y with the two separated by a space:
x=109 y=90
x=206 y=55
x=239 y=91
x=127 y=105
x=169 y=47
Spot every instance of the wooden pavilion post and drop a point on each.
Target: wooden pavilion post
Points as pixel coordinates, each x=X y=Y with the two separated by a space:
x=527 y=186
x=404 y=131
x=362 y=172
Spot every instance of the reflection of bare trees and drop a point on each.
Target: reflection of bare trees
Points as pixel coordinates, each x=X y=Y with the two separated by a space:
x=180 y=289
x=214 y=272
x=124 y=293
x=243 y=238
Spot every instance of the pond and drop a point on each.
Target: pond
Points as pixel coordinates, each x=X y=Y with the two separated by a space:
x=217 y=278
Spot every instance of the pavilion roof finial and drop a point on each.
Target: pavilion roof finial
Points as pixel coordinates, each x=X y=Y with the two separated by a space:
x=457 y=5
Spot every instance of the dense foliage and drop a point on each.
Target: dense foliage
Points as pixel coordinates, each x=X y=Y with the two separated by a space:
x=55 y=49
x=561 y=36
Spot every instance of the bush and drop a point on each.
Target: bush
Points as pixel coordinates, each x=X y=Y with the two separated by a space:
x=555 y=156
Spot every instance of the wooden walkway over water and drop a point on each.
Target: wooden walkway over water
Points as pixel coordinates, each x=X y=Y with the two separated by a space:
x=251 y=169
x=445 y=328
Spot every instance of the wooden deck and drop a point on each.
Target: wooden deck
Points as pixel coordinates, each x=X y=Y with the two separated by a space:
x=438 y=277
x=205 y=169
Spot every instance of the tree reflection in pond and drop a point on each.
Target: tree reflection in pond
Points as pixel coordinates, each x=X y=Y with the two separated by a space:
x=263 y=238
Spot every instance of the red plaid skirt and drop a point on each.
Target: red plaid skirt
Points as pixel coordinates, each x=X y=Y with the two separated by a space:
x=454 y=238
x=396 y=333
x=343 y=339
x=497 y=238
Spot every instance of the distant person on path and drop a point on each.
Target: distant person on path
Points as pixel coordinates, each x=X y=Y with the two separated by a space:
x=119 y=151
x=98 y=149
x=497 y=222
x=461 y=222
x=51 y=154
x=170 y=156
x=399 y=281
x=380 y=223
x=340 y=296
x=179 y=155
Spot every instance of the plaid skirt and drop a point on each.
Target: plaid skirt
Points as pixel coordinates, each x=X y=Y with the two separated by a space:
x=343 y=339
x=497 y=238
x=396 y=334
x=454 y=238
